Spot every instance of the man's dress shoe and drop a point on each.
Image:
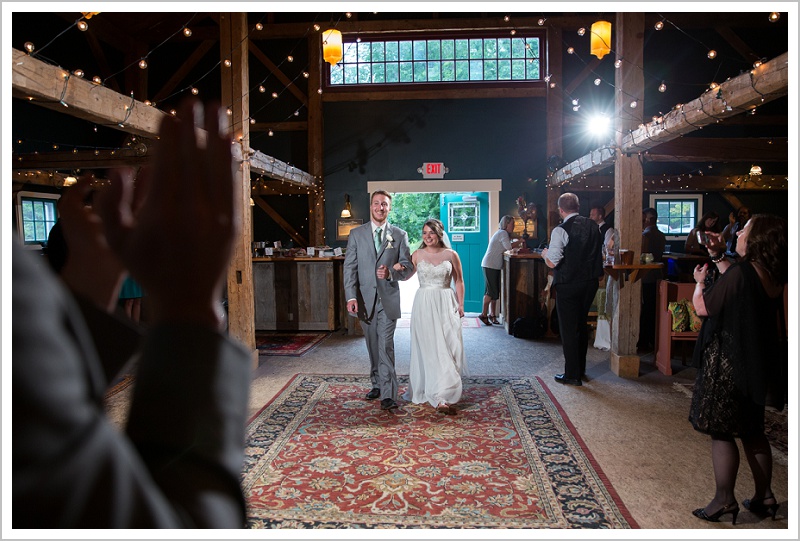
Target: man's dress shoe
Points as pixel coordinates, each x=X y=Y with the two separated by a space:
x=373 y=394
x=560 y=378
x=388 y=404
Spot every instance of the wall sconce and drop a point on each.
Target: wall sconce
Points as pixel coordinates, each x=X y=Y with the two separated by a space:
x=755 y=170
x=600 y=41
x=332 y=46
x=346 y=210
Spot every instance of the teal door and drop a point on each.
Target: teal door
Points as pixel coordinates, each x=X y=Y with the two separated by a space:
x=466 y=220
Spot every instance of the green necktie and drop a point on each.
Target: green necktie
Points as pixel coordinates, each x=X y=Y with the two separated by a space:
x=378 y=240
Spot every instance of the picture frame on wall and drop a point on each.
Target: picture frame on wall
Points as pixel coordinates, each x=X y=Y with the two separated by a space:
x=344 y=225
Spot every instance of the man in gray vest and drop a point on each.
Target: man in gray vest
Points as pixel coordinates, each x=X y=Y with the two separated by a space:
x=575 y=254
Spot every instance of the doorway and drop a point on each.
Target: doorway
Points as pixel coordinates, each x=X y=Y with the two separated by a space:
x=487 y=190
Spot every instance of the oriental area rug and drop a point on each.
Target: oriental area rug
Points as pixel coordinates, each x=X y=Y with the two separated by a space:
x=321 y=456
x=291 y=344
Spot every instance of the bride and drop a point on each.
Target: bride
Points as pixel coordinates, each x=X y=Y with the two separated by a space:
x=437 y=348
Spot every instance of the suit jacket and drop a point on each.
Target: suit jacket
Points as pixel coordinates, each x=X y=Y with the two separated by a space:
x=179 y=460
x=361 y=262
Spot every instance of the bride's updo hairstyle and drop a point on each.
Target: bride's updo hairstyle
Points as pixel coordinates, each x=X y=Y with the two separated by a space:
x=437 y=227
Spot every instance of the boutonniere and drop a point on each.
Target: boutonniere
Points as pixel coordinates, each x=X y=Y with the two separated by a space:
x=389 y=240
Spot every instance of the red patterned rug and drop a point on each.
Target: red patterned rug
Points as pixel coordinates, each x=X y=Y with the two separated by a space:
x=320 y=456
x=291 y=344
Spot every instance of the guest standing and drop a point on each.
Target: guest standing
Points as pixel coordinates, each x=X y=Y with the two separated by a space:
x=708 y=223
x=742 y=359
x=437 y=347
x=735 y=224
x=178 y=461
x=373 y=292
x=653 y=242
x=575 y=254
x=492 y=265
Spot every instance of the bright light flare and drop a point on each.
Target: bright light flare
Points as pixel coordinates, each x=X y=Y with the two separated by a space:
x=599 y=125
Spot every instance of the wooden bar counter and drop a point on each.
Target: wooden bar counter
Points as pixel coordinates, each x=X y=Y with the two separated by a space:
x=524 y=277
x=298 y=293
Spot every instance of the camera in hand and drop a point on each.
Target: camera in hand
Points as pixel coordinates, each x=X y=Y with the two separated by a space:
x=702 y=238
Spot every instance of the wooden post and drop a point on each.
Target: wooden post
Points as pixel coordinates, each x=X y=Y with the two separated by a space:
x=316 y=197
x=555 y=127
x=629 y=82
x=241 y=304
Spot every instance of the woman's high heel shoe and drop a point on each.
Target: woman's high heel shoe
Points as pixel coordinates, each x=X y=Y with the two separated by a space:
x=758 y=506
x=733 y=509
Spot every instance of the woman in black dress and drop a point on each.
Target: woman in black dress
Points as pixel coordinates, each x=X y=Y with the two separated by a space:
x=742 y=359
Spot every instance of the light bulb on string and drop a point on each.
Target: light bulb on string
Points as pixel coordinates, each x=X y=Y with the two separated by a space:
x=261 y=89
x=570 y=50
x=618 y=63
x=83 y=26
x=290 y=58
x=659 y=25
x=597 y=82
x=305 y=74
x=712 y=54
x=195 y=91
x=581 y=31
x=662 y=87
x=774 y=16
x=274 y=94
x=634 y=103
x=316 y=27
x=506 y=18
x=187 y=32
x=29 y=47
x=513 y=32
x=227 y=63
x=270 y=133
x=97 y=80
x=259 y=26
x=541 y=21
x=143 y=64
x=78 y=73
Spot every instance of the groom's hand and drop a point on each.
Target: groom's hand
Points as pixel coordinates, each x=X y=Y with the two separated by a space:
x=382 y=273
x=352 y=306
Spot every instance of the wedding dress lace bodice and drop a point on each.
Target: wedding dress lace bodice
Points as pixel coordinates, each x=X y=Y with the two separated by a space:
x=434 y=275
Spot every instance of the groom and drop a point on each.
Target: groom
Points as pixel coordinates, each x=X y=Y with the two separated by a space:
x=372 y=291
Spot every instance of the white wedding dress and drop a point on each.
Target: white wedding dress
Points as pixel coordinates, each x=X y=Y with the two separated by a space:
x=437 y=348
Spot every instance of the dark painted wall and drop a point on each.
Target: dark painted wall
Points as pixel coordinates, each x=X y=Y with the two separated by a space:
x=476 y=139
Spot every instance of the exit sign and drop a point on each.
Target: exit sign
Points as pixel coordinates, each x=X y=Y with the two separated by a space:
x=432 y=170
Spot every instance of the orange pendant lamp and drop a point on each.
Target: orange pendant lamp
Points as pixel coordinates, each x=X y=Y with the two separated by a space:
x=332 y=46
x=601 y=39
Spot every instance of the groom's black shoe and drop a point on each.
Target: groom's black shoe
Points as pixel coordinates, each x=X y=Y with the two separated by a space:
x=561 y=378
x=373 y=394
x=388 y=404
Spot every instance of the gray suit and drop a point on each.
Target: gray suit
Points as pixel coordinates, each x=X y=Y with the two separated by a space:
x=378 y=300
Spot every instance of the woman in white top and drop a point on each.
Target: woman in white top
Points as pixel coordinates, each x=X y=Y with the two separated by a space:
x=492 y=263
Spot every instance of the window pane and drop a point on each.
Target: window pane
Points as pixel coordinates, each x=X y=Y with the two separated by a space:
x=420 y=72
x=27 y=210
x=533 y=47
x=364 y=73
x=350 y=74
x=448 y=70
x=30 y=233
x=38 y=211
x=462 y=49
x=350 y=52
x=391 y=51
x=406 y=72
x=433 y=72
x=533 y=69
x=462 y=70
x=434 y=50
x=392 y=73
x=490 y=48
x=518 y=69
x=405 y=50
x=40 y=234
x=448 y=49
x=490 y=70
x=420 y=50
x=476 y=48
x=377 y=52
x=504 y=69
x=517 y=48
x=476 y=70
x=378 y=73
x=337 y=74
x=504 y=48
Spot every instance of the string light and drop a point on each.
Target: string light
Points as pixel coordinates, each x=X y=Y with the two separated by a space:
x=659 y=25
x=187 y=32
x=143 y=63
x=83 y=26
x=712 y=54
x=774 y=16
x=581 y=31
x=259 y=27
x=662 y=87
x=29 y=46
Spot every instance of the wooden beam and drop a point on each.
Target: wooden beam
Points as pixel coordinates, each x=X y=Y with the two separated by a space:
x=693 y=149
x=286 y=125
x=532 y=90
x=39 y=178
x=286 y=226
x=745 y=92
x=273 y=168
x=86 y=159
x=685 y=183
x=274 y=70
x=316 y=149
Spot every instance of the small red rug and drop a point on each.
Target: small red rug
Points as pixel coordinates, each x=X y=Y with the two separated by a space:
x=320 y=456
x=291 y=344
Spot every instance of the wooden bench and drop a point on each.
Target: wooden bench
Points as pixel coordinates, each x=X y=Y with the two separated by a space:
x=669 y=292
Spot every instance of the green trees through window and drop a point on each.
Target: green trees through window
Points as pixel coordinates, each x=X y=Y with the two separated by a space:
x=438 y=61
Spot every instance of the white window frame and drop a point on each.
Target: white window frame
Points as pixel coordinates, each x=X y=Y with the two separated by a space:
x=654 y=198
x=18 y=204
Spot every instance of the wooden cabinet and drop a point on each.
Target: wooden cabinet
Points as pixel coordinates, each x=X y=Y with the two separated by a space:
x=297 y=293
x=524 y=277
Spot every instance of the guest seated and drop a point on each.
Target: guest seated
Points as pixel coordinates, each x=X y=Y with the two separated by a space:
x=178 y=461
